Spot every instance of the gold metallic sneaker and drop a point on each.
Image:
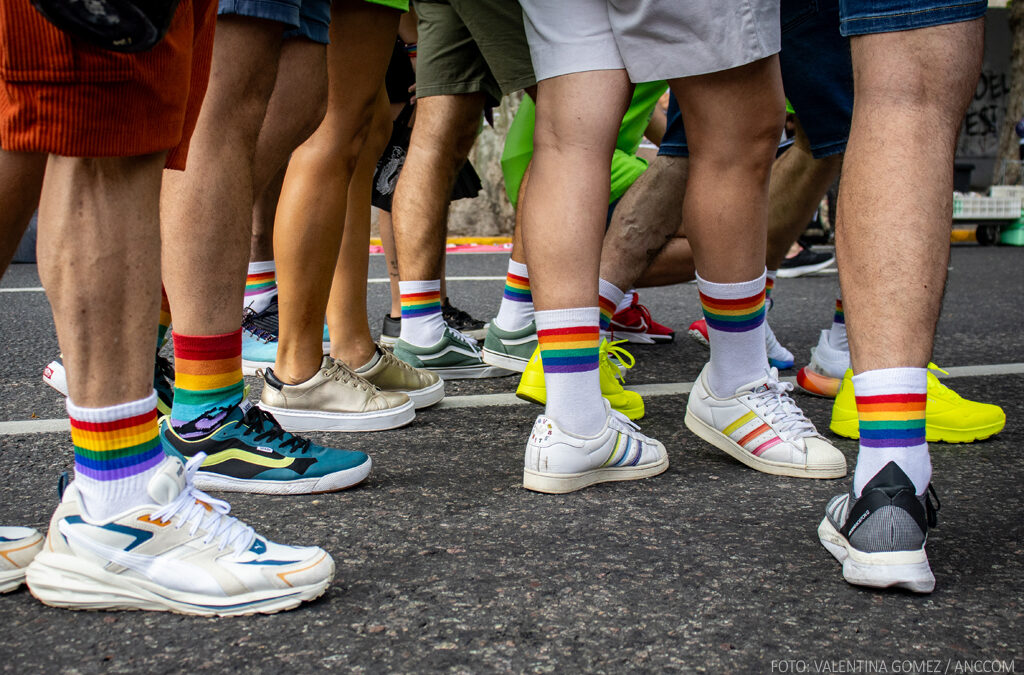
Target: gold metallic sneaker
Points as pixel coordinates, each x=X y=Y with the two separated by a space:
x=390 y=373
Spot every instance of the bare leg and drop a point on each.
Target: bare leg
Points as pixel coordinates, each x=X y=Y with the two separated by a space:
x=913 y=86
x=207 y=209
x=99 y=227
x=310 y=216
x=442 y=137
x=387 y=242
x=346 y=311
x=21 y=175
x=261 y=245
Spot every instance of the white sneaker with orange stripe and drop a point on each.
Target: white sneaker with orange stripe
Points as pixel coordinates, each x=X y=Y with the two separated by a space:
x=18 y=546
x=761 y=426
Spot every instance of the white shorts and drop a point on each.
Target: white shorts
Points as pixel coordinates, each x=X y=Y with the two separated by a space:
x=651 y=39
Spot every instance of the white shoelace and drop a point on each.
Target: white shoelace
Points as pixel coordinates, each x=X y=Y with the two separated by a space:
x=620 y=422
x=191 y=508
x=471 y=342
x=780 y=410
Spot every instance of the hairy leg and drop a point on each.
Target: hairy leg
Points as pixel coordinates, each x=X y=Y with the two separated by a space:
x=387 y=242
x=911 y=91
x=100 y=235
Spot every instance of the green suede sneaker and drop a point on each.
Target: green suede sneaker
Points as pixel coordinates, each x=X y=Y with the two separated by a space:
x=510 y=349
x=453 y=357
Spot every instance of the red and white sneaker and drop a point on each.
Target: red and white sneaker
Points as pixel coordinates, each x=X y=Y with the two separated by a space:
x=699 y=331
x=634 y=324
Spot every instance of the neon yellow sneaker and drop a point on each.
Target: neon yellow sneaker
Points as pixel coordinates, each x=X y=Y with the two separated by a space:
x=949 y=418
x=531 y=384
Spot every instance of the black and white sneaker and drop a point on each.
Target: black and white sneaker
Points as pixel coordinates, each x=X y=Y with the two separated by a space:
x=463 y=321
x=880 y=537
x=807 y=261
x=390 y=330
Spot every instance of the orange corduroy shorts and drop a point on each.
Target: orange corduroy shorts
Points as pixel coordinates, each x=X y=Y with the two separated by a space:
x=61 y=96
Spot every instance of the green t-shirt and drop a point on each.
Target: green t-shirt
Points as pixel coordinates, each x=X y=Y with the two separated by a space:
x=626 y=166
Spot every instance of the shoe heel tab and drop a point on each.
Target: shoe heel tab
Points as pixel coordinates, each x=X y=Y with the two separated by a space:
x=891 y=480
x=272 y=379
x=62 y=484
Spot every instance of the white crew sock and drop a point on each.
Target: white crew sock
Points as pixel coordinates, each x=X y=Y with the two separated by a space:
x=516 y=310
x=422 y=322
x=734 y=314
x=609 y=297
x=260 y=285
x=837 y=338
x=569 y=340
x=626 y=301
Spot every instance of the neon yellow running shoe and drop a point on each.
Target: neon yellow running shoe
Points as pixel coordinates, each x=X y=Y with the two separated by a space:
x=531 y=384
x=949 y=418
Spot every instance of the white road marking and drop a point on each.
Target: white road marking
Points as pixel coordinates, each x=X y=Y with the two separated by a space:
x=46 y=426
x=371 y=280
x=34 y=289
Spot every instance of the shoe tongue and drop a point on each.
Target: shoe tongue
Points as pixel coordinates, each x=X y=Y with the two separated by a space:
x=168 y=482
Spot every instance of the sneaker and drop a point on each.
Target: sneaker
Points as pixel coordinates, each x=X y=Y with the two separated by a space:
x=510 y=349
x=390 y=373
x=948 y=417
x=612 y=375
x=454 y=357
x=806 y=261
x=56 y=376
x=880 y=538
x=558 y=462
x=778 y=356
x=336 y=398
x=259 y=346
x=824 y=373
x=762 y=427
x=634 y=324
x=390 y=330
x=181 y=553
x=250 y=452
x=462 y=321
x=18 y=546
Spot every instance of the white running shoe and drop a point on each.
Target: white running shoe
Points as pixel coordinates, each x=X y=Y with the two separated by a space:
x=181 y=553
x=558 y=461
x=761 y=426
x=18 y=546
x=823 y=375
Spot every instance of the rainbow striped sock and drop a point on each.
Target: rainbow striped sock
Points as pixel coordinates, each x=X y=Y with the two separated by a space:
x=422 y=322
x=117 y=450
x=839 y=317
x=569 y=341
x=769 y=286
x=516 y=310
x=207 y=381
x=891 y=406
x=609 y=297
x=260 y=285
x=165 y=319
x=837 y=337
x=734 y=314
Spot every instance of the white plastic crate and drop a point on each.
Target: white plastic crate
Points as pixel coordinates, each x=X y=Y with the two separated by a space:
x=977 y=207
x=1010 y=191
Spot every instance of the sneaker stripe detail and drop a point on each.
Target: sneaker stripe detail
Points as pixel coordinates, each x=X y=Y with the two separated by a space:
x=733 y=316
x=572 y=349
x=615 y=450
x=249 y=458
x=517 y=288
x=738 y=423
x=759 y=430
x=772 y=442
x=420 y=304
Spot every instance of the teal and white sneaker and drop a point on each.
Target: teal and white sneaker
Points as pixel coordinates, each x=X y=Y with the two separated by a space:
x=259 y=349
x=18 y=546
x=250 y=452
x=181 y=552
x=510 y=349
x=454 y=357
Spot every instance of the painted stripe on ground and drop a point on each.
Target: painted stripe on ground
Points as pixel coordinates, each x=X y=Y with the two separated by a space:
x=503 y=400
x=372 y=280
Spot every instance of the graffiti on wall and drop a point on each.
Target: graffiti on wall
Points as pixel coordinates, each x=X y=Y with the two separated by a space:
x=979 y=136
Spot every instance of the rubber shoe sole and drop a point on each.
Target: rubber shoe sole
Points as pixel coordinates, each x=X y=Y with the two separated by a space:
x=70 y=582
x=816 y=384
x=562 y=483
x=504 y=361
x=736 y=451
x=314 y=420
x=902 y=569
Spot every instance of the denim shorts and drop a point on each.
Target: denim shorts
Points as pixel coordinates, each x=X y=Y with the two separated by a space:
x=308 y=19
x=816 y=74
x=861 y=17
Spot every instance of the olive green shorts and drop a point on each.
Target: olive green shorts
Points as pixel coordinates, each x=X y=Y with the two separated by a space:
x=470 y=46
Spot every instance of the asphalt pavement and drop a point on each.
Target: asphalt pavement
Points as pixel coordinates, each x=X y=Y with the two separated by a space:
x=445 y=564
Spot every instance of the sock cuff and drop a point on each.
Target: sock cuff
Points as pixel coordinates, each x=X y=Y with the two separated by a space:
x=112 y=413
x=262 y=267
x=560 y=318
x=770 y=274
x=517 y=268
x=409 y=287
x=207 y=347
x=610 y=291
x=736 y=291
x=891 y=381
x=627 y=300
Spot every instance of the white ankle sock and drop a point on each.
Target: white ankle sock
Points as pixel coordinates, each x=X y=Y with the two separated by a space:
x=734 y=314
x=422 y=322
x=516 y=311
x=837 y=333
x=892 y=401
x=609 y=298
x=569 y=340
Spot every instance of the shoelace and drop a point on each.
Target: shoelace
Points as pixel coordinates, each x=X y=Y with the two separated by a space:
x=620 y=422
x=780 y=410
x=470 y=342
x=190 y=506
x=453 y=314
x=249 y=324
x=609 y=350
x=342 y=373
x=264 y=427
